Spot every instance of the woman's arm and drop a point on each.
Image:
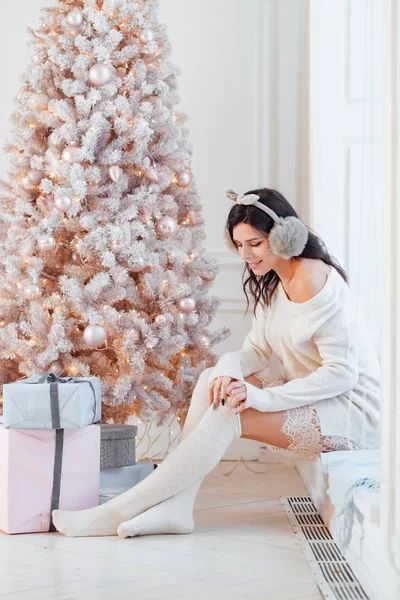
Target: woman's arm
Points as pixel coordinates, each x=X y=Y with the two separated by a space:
x=254 y=355
x=337 y=374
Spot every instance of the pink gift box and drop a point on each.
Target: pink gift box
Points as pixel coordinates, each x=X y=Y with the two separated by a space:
x=26 y=475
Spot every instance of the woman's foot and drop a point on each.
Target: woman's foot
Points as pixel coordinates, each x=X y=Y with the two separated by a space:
x=174 y=515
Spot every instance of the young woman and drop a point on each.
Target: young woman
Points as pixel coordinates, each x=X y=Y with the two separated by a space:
x=304 y=314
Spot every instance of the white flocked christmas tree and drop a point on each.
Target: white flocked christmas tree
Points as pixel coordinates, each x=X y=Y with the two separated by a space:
x=102 y=265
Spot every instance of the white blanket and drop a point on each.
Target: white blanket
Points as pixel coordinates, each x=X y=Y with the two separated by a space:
x=348 y=471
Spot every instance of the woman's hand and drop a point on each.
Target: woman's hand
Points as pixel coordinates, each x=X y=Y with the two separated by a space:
x=237 y=391
x=217 y=389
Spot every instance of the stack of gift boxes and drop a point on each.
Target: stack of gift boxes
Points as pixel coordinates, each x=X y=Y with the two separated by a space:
x=49 y=450
x=53 y=455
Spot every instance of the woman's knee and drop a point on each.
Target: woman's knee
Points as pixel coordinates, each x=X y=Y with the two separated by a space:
x=203 y=377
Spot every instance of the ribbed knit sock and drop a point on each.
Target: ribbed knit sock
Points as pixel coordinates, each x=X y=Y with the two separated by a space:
x=195 y=457
x=174 y=515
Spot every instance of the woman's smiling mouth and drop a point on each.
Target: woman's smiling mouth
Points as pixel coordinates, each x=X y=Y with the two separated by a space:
x=254 y=265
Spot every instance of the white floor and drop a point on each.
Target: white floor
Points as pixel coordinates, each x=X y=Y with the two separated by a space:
x=243 y=547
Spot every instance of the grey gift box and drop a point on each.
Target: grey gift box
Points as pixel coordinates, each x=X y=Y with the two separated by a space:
x=118 y=445
x=51 y=402
x=115 y=481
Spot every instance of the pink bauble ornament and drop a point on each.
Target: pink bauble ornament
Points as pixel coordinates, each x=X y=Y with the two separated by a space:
x=94 y=335
x=183 y=178
x=31 y=292
x=71 y=155
x=134 y=335
x=75 y=19
x=56 y=368
x=35 y=176
x=100 y=74
x=138 y=265
x=151 y=173
x=46 y=242
x=193 y=217
x=154 y=188
x=146 y=36
x=63 y=203
x=166 y=227
x=208 y=276
x=137 y=378
x=186 y=305
x=115 y=173
x=38 y=101
x=160 y=320
x=202 y=343
x=154 y=49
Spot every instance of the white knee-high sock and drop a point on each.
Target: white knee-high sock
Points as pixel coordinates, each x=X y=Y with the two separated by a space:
x=191 y=460
x=175 y=514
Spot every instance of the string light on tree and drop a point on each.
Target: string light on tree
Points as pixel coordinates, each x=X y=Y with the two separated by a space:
x=37 y=102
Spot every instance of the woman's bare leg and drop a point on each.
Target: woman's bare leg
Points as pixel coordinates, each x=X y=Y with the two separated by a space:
x=263 y=427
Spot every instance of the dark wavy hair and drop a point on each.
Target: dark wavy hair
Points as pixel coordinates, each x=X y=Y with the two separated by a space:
x=262 y=287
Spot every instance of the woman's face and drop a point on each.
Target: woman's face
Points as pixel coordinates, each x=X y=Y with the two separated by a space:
x=253 y=247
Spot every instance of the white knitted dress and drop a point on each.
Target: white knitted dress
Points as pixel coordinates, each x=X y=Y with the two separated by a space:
x=328 y=360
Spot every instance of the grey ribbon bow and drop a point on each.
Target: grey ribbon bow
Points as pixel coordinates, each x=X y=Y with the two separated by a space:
x=53 y=380
x=242 y=198
x=55 y=421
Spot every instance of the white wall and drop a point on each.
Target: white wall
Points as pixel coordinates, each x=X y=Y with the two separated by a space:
x=346 y=125
x=243 y=86
x=15 y=17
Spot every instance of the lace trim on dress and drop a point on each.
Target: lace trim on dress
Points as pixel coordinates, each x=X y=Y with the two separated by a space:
x=303 y=429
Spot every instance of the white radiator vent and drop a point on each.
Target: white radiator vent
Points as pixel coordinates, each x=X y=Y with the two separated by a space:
x=331 y=571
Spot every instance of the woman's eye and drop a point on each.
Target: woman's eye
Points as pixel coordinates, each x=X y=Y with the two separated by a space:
x=252 y=245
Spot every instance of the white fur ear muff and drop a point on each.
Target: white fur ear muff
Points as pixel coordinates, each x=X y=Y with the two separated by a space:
x=228 y=242
x=288 y=237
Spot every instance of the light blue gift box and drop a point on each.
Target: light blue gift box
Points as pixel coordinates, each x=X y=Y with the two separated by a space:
x=51 y=402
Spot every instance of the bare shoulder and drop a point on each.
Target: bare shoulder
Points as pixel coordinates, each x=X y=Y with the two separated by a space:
x=310 y=278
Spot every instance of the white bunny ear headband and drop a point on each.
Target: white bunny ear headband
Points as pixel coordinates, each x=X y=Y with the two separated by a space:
x=288 y=237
